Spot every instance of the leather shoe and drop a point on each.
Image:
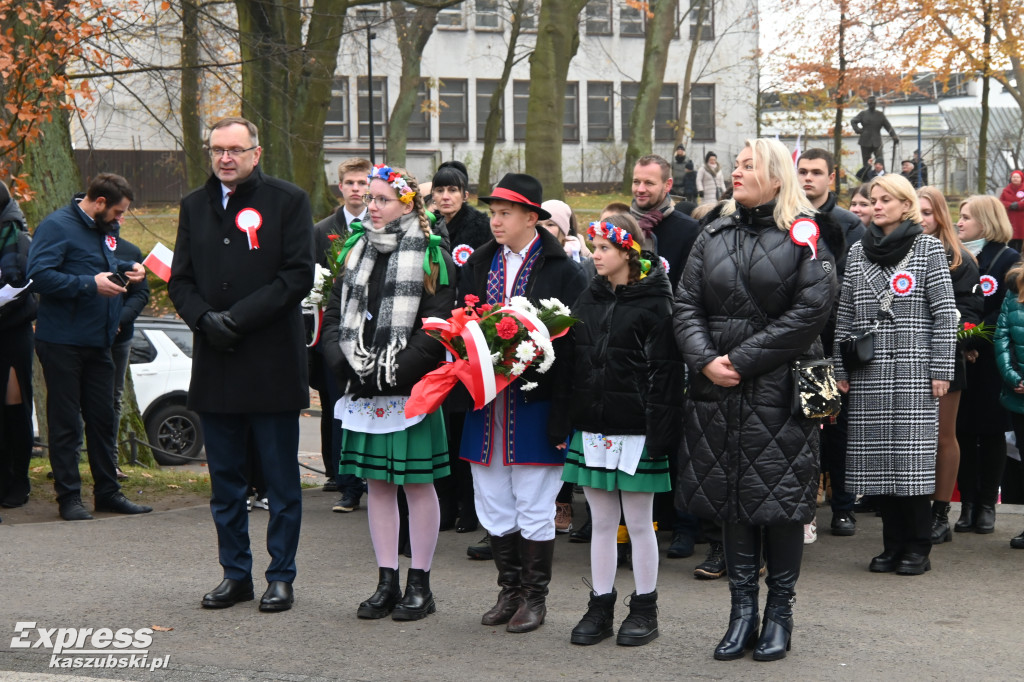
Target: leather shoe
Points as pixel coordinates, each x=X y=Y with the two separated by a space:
x=278 y=597
x=228 y=593
x=984 y=519
x=913 y=564
x=1017 y=542
x=119 y=504
x=885 y=562
x=72 y=509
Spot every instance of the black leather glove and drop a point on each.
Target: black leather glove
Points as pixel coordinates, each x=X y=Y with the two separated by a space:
x=220 y=330
x=11 y=270
x=1013 y=206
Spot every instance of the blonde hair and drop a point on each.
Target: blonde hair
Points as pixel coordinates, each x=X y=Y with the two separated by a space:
x=990 y=212
x=943 y=223
x=900 y=189
x=790 y=201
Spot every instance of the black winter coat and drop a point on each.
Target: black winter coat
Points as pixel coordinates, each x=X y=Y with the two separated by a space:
x=745 y=457
x=214 y=269
x=15 y=242
x=675 y=236
x=554 y=275
x=468 y=226
x=627 y=376
x=421 y=354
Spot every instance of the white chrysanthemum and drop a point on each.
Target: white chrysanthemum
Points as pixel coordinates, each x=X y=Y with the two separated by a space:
x=555 y=306
x=518 y=368
x=526 y=351
x=549 y=356
x=529 y=385
x=495 y=358
x=522 y=303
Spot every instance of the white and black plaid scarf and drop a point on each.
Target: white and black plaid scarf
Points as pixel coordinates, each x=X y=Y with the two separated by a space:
x=400 y=298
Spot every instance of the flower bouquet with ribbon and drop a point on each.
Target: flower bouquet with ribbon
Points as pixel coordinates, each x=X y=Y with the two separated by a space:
x=323 y=280
x=492 y=346
x=974 y=331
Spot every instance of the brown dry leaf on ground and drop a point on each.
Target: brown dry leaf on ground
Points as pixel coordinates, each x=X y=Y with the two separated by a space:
x=161 y=628
x=171 y=485
x=145 y=475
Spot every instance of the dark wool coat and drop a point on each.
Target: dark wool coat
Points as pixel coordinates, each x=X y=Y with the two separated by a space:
x=893 y=426
x=980 y=411
x=675 y=236
x=745 y=458
x=969 y=303
x=468 y=226
x=138 y=292
x=627 y=376
x=214 y=269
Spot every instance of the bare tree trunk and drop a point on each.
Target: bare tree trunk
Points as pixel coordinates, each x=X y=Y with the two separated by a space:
x=196 y=166
x=494 y=114
x=982 y=186
x=656 y=44
x=131 y=423
x=840 y=96
x=558 y=38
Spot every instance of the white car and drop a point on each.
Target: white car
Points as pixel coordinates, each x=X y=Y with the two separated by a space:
x=161 y=364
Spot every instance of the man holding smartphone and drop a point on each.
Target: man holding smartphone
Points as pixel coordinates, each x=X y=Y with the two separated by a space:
x=80 y=282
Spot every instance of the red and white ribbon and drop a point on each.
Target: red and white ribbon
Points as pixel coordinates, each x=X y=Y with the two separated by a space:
x=249 y=221
x=989 y=285
x=111 y=242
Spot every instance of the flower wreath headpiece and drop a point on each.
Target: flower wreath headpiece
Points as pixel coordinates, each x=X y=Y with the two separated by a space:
x=395 y=179
x=621 y=238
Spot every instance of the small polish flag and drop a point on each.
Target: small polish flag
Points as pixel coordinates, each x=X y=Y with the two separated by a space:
x=159 y=261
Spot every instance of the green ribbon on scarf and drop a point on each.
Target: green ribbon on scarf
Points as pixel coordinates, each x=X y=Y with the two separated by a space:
x=433 y=255
x=356 y=229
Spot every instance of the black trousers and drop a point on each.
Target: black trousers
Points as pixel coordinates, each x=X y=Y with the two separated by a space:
x=906 y=523
x=79 y=381
x=982 y=460
x=833 y=459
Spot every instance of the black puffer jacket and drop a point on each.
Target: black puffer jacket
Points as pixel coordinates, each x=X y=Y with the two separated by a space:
x=627 y=374
x=745 y=457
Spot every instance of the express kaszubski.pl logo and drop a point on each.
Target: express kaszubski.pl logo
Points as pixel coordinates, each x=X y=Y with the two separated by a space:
x=90 y=647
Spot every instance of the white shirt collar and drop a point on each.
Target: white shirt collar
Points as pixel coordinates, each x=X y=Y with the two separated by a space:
x=225 y=192
x=506 y=251
x=350 y=217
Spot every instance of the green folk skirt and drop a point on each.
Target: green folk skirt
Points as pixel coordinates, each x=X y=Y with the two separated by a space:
x=418 y=454
x=652 y=475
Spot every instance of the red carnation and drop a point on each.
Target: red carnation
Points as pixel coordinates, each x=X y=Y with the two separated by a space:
x=968 y=325
x=332 y=237
x=507 y=328
x=486 y=307
x=472 y=300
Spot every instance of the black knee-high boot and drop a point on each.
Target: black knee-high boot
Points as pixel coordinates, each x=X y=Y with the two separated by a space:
x=784 y=546
x=742 y=560
x=16 y=453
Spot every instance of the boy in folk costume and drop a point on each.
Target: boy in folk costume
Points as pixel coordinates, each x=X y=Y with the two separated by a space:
x=516 y=465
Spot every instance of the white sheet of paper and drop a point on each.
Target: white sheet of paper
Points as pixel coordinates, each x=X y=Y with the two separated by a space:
x=9 y=293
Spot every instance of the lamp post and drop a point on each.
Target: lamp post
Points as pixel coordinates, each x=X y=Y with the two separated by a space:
x=369 y=89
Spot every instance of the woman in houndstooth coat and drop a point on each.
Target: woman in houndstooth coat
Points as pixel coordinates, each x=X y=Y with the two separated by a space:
x=894 y=398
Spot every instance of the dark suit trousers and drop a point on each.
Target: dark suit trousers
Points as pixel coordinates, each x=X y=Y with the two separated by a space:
x=275 y=436
x=80 y=386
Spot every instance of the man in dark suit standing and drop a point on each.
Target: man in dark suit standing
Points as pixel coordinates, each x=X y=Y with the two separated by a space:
x=243 y=262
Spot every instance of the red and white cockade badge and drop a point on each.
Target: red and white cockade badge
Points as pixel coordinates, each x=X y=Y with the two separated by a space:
x=664 y=264
x=989 y=285
x=111 y=241
x=1020 y=194
x=249 y=221
x=902 y=283
x=461 y=254
x=805 y=232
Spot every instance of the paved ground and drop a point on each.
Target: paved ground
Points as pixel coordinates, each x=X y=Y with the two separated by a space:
x=961 y=620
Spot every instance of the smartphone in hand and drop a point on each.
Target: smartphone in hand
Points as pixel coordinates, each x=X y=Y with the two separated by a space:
x=118 y=279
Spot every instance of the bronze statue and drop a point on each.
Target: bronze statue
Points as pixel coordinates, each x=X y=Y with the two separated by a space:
x=868 y=124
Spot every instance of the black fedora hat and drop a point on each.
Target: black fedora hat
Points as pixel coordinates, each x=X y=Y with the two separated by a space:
x=522 y=189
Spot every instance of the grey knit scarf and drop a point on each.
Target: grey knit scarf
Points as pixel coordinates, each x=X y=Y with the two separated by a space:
x=401 y=292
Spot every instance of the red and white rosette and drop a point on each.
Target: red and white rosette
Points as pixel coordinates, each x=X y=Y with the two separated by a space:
x=664 y=264
x=111 y=242
x=249 y=221
x=461 y=254
x=989 y=285
x=805 y=232
x=1020 y=194
x=902 y=283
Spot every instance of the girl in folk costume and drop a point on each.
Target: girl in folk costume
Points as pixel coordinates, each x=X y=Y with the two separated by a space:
x=625 y=402
x=898 y=278
x=511 y=446
x=396 y=272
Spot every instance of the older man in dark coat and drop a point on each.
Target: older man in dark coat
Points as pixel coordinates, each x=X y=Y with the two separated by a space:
x=243 y=262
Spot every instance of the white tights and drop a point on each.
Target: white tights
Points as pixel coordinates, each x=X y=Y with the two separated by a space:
x=424 y=522
x=605 y=513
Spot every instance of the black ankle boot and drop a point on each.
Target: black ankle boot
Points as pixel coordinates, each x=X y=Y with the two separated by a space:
x=965 y=524
x=641 y=625
x=598 y=622
x=742 y=632
x=984 y=518
x=776 y=631
x=418 y=601
x=383 y=601
x=940 y=523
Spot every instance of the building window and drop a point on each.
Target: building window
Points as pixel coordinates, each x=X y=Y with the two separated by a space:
x=520 y=103
x=702 y=112
x=571 y=118
x=380 y=107
x=667 y=113
x=484 y=90
x=419 y=120
x=631 y=21
x=600 y=116
x=599 y=17
x=529 y=19
x=488 y=15
x=707 y=31
x=336 y=125
x=452 y=18
x=454 y=103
